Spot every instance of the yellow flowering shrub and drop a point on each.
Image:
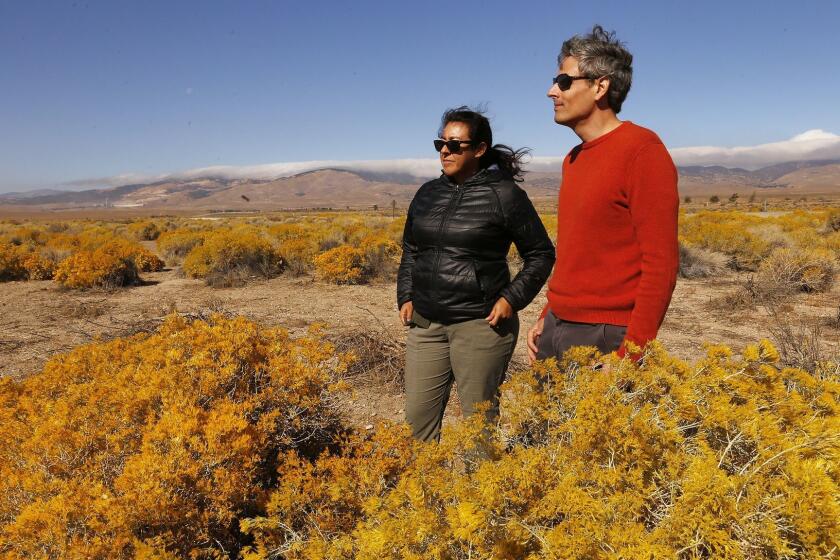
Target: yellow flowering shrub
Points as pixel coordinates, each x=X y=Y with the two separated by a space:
x=731 y=457
x=298 y=252
x=341 y=265
x=243 y=251
x=154 y=446
x=175 y=245
x=112 y=264
x=832 y=220
x=12 y=263
x=96 y=269
x=37 y=267
x=381 y=254
x=145 y=260
x=725 y=233
x=144 y=230
x=290 y=230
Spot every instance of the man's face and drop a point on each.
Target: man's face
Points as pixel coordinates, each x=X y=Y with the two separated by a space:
x=577 y=102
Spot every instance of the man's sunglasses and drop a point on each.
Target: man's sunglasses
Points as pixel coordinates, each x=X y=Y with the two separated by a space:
x=454 y=146
x=564 y=81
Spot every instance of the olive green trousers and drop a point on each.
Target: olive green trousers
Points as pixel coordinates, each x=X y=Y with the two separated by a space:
x=472 y=354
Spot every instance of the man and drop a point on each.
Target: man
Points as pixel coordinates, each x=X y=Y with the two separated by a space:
x=617 y=252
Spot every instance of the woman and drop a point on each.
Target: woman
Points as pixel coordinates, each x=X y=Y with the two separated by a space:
x=454 y=288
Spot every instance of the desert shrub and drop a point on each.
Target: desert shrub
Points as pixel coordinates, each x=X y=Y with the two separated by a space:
x=298 y=253
x=341 y=265
x=145 y=260
x=832 y=242
x=381 y=255
x=175 y=245
x=331 y=240
x=799 y=342
x=774 y=235
x=701 y=263
x=144 y=230
x=832 y=220
x=728 y=458
x=57 y=227
x=12 y=263
x=729 y=237
x=791 y=270
x=106 y=267
x=38 y=267
x=154 y=446
x=27 y=235
x=63 y=242
x=228 y=257
x=290 y=231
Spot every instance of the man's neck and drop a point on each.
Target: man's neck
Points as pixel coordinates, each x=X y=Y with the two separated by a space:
x=596 y=125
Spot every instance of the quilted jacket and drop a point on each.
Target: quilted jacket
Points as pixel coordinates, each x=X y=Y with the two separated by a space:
x=455 y=246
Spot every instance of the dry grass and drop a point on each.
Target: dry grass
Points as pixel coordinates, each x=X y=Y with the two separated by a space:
x=696 y=262
x=799 y=341
x=788 y=271
x=379 y=357
x=834 y=320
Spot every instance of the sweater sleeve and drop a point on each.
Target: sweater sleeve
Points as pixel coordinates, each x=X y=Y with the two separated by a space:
x=654 y=205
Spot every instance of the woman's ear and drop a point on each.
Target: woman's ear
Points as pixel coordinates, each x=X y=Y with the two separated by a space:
x=481 y=150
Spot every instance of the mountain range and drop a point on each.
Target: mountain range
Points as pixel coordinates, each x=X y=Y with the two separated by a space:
x=342 y=188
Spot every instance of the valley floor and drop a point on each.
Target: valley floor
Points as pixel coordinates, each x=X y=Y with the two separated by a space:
x=38 y=319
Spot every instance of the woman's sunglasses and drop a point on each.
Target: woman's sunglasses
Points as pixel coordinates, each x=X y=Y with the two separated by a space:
x=564 y=81
x=454 y=146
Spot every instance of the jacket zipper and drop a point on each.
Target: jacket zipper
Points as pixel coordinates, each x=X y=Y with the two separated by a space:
x=456 y=198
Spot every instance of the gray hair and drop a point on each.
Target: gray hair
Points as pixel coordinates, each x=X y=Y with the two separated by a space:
x=600 y=54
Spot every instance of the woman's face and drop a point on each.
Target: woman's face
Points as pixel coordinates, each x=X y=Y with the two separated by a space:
x=463 y=164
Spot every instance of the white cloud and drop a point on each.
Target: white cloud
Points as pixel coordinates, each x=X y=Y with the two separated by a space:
x=420 y=168
x=810 y=145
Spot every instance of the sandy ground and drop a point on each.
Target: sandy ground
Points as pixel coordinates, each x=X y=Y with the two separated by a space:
x=38 y=320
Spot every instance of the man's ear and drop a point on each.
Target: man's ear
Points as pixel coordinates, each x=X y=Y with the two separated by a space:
x=603 y=86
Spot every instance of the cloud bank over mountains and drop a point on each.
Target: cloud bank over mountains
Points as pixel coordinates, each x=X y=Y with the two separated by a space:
x=809 y=146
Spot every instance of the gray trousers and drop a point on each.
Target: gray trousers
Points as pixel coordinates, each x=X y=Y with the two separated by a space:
x=559 y=335
x=472 y=354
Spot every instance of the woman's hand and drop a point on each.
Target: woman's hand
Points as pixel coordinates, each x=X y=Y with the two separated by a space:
x=501 y=311
x=406 y=311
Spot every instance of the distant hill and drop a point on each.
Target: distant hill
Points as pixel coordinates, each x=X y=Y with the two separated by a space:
x=341 y=188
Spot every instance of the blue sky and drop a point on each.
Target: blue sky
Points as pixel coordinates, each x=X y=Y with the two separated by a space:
x=99 y=89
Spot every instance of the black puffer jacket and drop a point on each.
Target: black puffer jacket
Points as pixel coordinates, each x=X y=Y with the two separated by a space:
x=455 y=246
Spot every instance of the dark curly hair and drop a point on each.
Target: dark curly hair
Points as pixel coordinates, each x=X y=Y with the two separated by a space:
x=508 y=159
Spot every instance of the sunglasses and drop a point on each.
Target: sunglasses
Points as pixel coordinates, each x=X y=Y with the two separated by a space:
x=564 y=81
x=454 y=146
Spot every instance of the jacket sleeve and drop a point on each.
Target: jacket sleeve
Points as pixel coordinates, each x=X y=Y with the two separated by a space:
x=409 y=253
x=528 y=234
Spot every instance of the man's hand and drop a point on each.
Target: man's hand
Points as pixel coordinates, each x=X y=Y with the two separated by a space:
x=501 y=311
x=533 y=339
x=406 y=311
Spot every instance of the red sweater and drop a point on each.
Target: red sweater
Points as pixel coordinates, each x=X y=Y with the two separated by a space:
x=617 y=252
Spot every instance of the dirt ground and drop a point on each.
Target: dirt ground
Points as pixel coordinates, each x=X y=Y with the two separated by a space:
x=38 y=319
